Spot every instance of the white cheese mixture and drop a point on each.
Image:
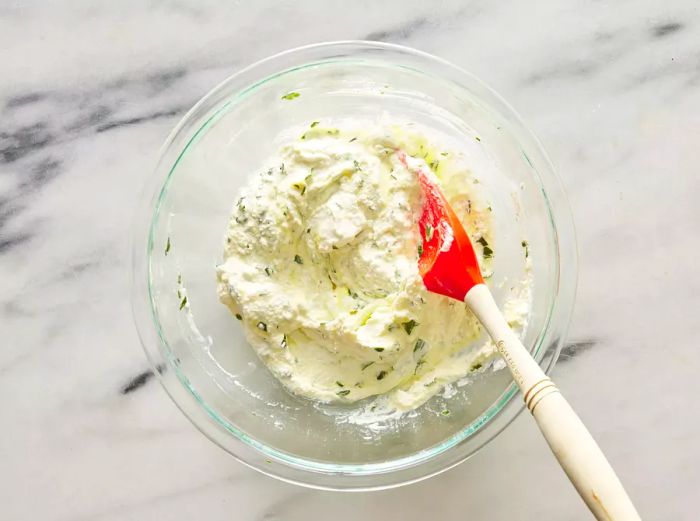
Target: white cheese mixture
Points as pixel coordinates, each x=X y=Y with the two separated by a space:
x=320 y=265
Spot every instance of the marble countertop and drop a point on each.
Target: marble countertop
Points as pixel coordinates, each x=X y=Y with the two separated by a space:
x=88 y=93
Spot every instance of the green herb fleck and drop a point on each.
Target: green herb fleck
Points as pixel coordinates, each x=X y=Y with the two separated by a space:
x=282 y=170
x=420 y=248
x=476 y=366
x=239 y=316
x=179 y=278
x=262 y=326
x=444 y=154
x=291 y=95
x=334 y=247
x=167 y=246
x=366 y=365
x=446 y=412
x=379 y=349
x=339 y=384
x=283 y=343
x=429 y=233
x=179 y=295
x=525 y=245
x=344 y=392
x=420 y=344
x=298 y=259
x=381 y=375
x=183 y=303
x=477 y=138
x=408 y=326
x=314 y=124
x=353 y=139
x=488 y=252
x=268 y=270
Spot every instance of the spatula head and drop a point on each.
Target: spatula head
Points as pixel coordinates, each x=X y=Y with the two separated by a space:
x=447 y=260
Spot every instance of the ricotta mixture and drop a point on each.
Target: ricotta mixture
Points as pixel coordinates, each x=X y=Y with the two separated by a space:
x=320 y=265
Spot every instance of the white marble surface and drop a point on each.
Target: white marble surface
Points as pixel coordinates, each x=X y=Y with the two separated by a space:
x=88 y=92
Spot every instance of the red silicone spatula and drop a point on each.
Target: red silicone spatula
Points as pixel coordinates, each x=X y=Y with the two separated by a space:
x=449 y=267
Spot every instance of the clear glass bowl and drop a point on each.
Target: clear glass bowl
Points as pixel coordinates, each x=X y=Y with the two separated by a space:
x=202 y=357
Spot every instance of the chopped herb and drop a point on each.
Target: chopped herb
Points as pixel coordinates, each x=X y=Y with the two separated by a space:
x=262 y=326
x=339 y=384
x=356 y=164
x=298 y=259
x=179 y=278
x=333 y=284
x=489 y=209
x=477 y=138
x=488 y=252
x=428 y=232
x=408 y=326
x=434 y=164
x=420 y=344
x=334 y=247
x=239 y=316
x=228 y=240
x=525 y=245
x=379 y=349
x=282 y=170
x=291 y=95
x=418 y=364
x=314 y=124
x=353 y=139
x=420 y=249
x=183 y=303
x=303 y=136
x=344 y=392
x=381 y=375
x=283 y=343
x=446 y=412
x=167 y=246
x=366 y=365
x=178 y=294
x=300 y=187
x=476 y=366
x=241 y=220
x=268 y=270
x=443 y=154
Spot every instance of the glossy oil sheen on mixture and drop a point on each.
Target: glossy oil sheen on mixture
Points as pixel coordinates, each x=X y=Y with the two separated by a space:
x=320 y=266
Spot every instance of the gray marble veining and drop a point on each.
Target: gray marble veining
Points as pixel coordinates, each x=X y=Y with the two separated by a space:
x=90 y=90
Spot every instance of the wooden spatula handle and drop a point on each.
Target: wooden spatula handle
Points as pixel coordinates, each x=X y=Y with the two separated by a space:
x=570 y=441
